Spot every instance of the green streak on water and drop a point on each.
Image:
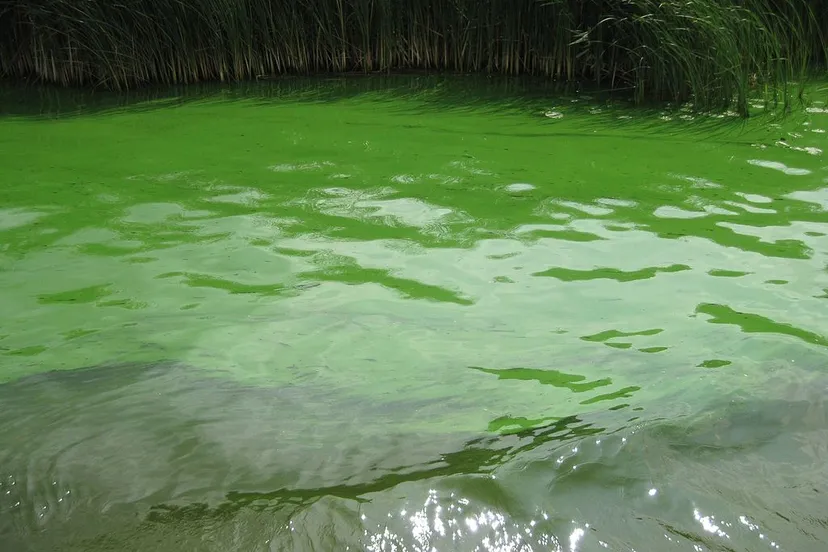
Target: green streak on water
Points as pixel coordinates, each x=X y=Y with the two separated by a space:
x=548 y=377
x=754 y=323
x=413 y=312
x=568 y=275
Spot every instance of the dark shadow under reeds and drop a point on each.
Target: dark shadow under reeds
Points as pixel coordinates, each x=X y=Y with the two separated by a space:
x=538 y=100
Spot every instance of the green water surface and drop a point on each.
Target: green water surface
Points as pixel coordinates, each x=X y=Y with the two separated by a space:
x=410 y=315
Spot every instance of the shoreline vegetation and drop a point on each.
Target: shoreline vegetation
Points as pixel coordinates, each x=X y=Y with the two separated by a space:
x=717 y=54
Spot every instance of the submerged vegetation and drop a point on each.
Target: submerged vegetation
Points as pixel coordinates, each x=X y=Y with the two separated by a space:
x=715 y=52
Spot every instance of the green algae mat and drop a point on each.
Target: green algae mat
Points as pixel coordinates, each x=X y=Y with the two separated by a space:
x=410 y=314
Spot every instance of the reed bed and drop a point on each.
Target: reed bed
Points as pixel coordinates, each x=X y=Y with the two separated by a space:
x=715 y=52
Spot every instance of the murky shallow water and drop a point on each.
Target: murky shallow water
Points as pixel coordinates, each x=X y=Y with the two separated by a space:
x=392 y=315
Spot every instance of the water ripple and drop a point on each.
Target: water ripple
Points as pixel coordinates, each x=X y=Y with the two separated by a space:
x=414 y=321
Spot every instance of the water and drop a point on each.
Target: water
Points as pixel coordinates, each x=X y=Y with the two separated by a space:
x=413 y=314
